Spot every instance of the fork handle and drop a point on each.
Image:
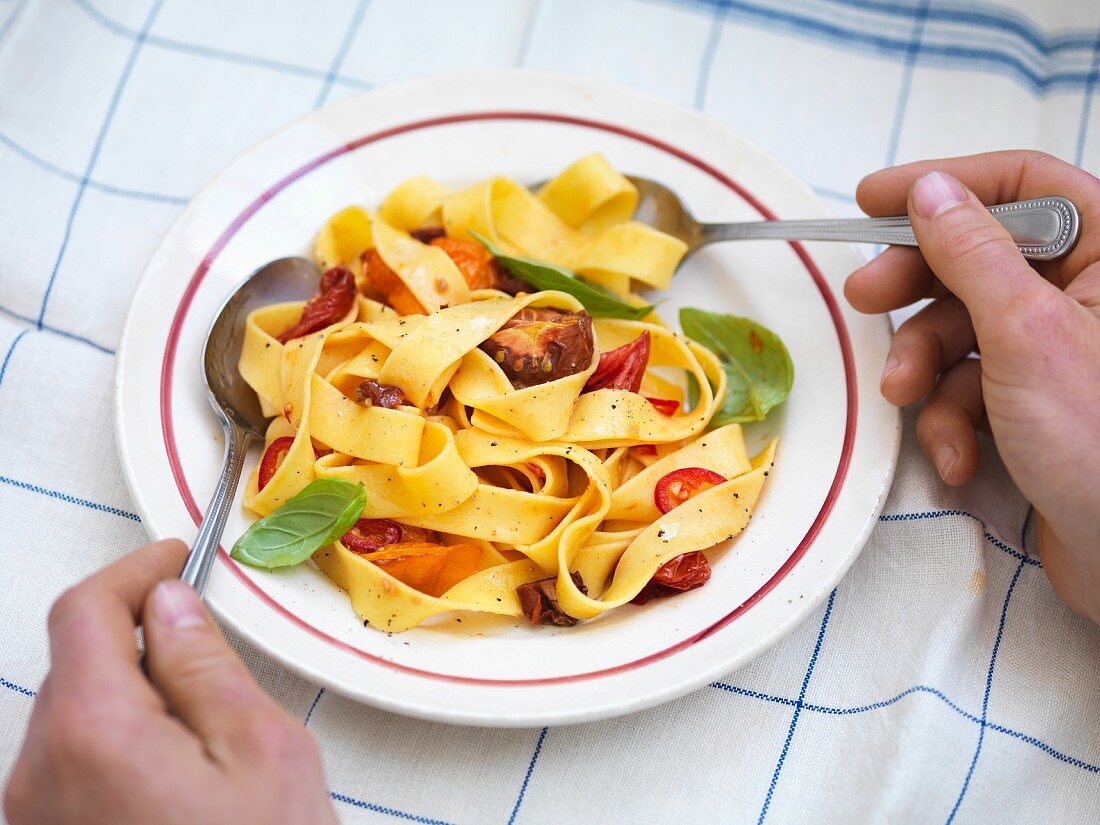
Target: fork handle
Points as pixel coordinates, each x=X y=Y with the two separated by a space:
x=1043 y=228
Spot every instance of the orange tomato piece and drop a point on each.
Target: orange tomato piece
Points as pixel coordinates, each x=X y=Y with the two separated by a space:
x=474 y=261
x=383 y=279
x=430 y=568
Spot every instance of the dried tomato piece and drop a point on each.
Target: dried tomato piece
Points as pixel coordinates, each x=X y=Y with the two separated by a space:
x=328 y=306
x=621 y=368
x=273 y=457
x=539 y=345
x=680 y=485
x=379 y=395
x=646 y=449
x=428 y=567
x=539 y=600
x=665 y=406
x=427 y=234
x=371 y=534
x=474 y=261
x=685 y=572
x=388 y=284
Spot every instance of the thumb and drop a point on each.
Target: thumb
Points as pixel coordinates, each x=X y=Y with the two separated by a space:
x=971 y=253
x=203 y=682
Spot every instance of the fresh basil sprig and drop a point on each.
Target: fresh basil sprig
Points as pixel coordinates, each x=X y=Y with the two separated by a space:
x=318 y=515
x=600 y=302
x=759 y=370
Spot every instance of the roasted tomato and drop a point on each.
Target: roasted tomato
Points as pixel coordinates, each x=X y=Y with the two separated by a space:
x=685 y=572
x=665 y=406
x=328 y=306
x=428 y=567
x=540 y=345
x=621 y=368
x=273 y=457
x=385 y=281
x=477 y=265
x=370 y=534
x=680 y=485
x=539 y=600
x=379 y=395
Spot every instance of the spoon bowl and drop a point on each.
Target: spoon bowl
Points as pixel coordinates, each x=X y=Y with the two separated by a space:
x=234 y=402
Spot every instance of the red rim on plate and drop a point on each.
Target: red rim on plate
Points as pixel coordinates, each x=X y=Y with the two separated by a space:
x=168 y=365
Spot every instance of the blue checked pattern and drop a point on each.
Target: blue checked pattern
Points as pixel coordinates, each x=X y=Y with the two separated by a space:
x=984 y=622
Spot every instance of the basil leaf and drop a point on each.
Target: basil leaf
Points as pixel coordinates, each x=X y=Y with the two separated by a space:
x=321 y=513
x=759 y=371
x=600 y=302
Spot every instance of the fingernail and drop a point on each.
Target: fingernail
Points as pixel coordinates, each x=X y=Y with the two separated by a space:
x=177 y=605
x=892 y=364
x=945 y=458
x=934 y=192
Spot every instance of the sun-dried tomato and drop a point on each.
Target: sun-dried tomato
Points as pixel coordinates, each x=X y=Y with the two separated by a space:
x=646 y=449
x=272 y=459
x=539 y=600
x=371 y=534
x=473 y=260
x=328 y=306
x=685 y=572
x=678 y=486
x=427 y=234
x=383 y=279
x=665 y=406
x=621 y=368
x=379 y=395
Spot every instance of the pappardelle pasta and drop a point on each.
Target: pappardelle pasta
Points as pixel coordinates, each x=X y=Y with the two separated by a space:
x=476 y=412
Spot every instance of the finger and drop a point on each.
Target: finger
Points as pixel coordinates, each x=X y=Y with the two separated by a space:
x=927 y=344
x=896 y=278
x=995 y=177
x=93 y=650
x=1000 y=177
x=947 y=422
x=973 y=255
x=204 y=683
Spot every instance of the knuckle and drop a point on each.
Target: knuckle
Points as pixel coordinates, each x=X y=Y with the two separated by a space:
x=276 y=737
x=69 y=604
x=978 y=241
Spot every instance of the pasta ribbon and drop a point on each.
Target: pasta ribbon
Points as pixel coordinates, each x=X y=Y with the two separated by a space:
x=543 y=478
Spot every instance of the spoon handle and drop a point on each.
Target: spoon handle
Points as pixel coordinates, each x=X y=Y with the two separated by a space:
x=205 y=549
x=1043 y=228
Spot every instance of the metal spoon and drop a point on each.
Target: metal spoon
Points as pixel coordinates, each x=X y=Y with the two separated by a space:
x=234 y=402
x=1043 y=228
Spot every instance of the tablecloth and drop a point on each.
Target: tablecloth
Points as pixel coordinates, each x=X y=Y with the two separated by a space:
x=941 y=681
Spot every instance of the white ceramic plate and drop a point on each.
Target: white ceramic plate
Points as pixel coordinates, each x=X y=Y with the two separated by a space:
x=839 y=439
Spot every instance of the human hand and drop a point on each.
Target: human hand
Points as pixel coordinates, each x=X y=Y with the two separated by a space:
x=1037 y=384
x=196 y=741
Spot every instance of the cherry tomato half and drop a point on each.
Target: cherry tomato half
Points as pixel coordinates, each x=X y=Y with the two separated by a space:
x=273 y=458
x=680 y=485
x=665 y=406
x=370 y=534
x=621 y=368
x=685 y=572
